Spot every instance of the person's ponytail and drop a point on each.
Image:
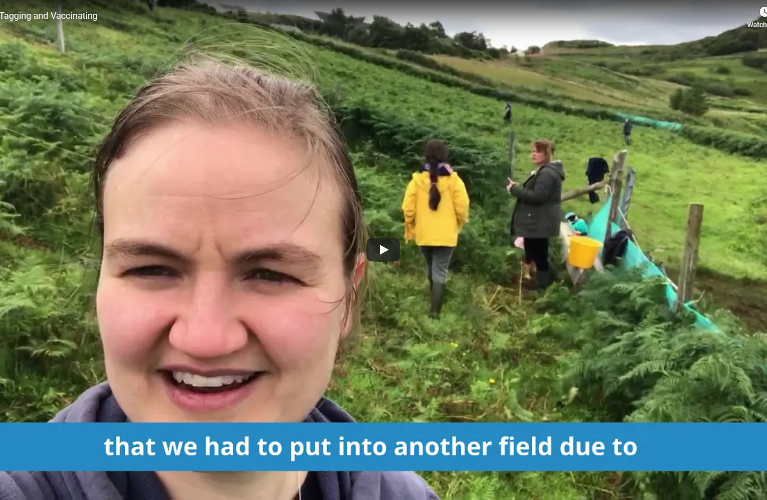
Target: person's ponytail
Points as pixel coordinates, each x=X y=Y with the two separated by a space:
x=434 y=195
x=436 y=153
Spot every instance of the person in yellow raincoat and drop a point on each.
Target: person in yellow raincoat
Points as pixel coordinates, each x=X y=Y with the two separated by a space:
x=436 y=207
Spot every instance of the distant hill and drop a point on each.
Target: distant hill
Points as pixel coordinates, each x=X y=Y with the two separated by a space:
x=735 y=41
x=576 y=44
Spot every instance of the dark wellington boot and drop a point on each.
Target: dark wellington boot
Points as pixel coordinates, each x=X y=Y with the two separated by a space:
x=543 y=279
x=437 y=299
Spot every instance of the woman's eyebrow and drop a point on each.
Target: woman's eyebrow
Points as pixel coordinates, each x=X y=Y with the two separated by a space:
x=284 y=252
x=127 y=248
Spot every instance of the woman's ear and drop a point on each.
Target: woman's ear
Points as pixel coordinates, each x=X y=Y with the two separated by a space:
x=358 y=274
x=359 y=270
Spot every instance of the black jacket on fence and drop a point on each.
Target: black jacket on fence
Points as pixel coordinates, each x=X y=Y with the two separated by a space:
x=597 y=169
x=538 y=210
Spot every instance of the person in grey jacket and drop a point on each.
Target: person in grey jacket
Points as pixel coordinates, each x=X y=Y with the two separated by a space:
x=628 y=125
x=537 y=212
x=232 y=266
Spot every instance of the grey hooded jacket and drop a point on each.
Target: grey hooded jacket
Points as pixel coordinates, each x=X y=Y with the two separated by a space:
x=538 y=210
x=97 y=404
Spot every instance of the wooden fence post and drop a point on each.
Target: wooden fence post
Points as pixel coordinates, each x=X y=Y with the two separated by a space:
x=59 y=28
x=690 y=254
x=626 y=202
x=616 y=183
x=511 y=154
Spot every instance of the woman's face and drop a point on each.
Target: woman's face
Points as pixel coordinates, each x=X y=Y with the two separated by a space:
x=222 y=274
x=538 y=157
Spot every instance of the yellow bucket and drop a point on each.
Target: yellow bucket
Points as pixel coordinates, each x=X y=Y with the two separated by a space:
x=583 y=251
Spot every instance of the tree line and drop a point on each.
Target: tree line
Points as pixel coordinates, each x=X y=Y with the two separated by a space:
x=384 y=33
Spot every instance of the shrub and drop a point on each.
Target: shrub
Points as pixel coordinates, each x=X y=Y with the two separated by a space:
x=719 y=89
x=691 y=101
x=684 y=78
x=755 y=60
x=646 y=70
x=731 y=142
x=634 y=360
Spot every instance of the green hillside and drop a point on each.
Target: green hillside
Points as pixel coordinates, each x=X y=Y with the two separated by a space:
x=736 y=93
x=733 y=41
x=637 y=79
x=493 y=356
x=590 y=90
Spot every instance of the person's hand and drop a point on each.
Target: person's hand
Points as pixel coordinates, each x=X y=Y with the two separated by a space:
x=511 y=184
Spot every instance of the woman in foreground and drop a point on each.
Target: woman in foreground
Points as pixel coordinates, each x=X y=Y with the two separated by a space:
x=232 y=268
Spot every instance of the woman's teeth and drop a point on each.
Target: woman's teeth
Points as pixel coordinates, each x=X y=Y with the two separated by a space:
x=200 y=381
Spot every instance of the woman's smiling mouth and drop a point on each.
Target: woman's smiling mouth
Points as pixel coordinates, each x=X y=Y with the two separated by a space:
x=193 y=391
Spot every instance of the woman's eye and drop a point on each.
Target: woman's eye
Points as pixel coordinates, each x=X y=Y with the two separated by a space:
x=270 y=276
x=151 y=271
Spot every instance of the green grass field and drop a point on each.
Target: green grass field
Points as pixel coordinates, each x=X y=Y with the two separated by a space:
x=493 y=356
x=587 y=74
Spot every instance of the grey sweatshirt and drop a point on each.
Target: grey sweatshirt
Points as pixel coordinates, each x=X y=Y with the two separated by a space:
x=97 y=404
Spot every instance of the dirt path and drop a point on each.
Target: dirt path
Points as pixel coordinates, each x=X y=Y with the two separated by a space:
x=746 y=298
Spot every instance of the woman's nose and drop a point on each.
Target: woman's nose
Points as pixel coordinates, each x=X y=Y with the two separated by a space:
x=206 y=326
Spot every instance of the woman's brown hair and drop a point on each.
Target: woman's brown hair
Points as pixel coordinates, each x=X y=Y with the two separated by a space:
x=436 y=153
x=544 y=146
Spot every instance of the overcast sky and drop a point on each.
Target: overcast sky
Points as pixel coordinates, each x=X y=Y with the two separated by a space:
x=514 y=22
